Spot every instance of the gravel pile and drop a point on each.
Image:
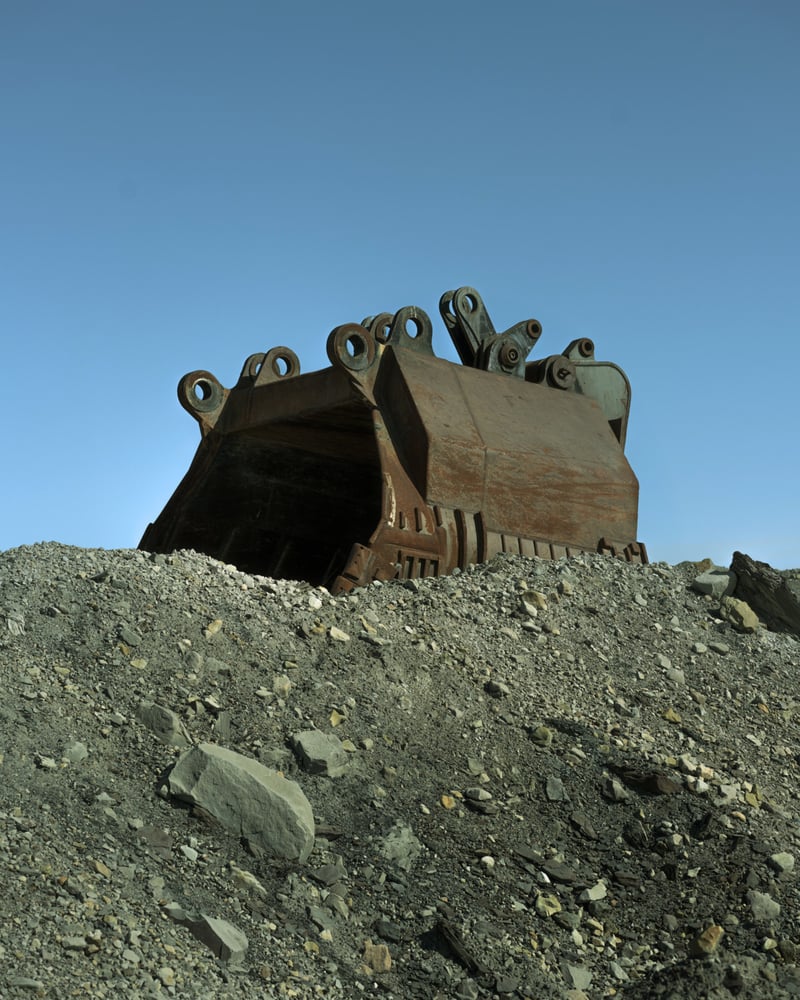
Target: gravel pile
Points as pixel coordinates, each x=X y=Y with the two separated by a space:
x=574 y=779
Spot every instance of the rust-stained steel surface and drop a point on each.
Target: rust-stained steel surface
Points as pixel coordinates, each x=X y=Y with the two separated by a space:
x=395 y=463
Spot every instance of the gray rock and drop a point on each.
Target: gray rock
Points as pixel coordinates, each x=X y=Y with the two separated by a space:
x=165 y=724
x=578 y=976
x=467 y=989
x=555 y=790
x=401 y=846
x=597 y=891
x=26 y=983
x=763 y=906
x=320 y=753
x=129 y=636
x=248 y=799
x=613 y=789
x=717 y=582
x=324 y=919
x=224 y=940
x=782 y=862
x=75 y=751
x=15 y=621
x=74 y=942
x=506 y=984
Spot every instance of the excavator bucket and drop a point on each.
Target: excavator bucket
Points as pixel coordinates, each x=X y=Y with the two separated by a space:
x=393 y=463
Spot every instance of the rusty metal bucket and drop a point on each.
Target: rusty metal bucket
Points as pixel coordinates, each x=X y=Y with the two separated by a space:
x=396 y=463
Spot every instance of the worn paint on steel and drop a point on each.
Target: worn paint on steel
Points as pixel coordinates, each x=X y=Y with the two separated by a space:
x=395 y=463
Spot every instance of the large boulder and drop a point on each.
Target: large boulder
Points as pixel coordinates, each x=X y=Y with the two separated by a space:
x=774 y=596
x=250 y=800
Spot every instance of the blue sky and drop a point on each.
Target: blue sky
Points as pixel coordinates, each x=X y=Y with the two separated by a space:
x=183 y=184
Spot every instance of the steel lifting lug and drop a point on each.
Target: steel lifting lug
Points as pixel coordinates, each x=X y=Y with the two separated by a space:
x=476 y=340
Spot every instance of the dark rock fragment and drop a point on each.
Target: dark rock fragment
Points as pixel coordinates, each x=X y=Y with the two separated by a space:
x=775 y=597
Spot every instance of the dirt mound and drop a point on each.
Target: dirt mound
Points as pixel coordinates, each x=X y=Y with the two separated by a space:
x=531 y=779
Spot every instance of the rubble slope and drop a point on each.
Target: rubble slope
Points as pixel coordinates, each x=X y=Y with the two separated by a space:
x=532 y=779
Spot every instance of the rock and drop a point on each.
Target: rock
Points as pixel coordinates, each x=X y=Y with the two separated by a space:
x=578 y=976
x=557 y=871
x=584 y=825
x=542 y=736
x=706 y=943
x=377 y=957
x=164 y=723
x=224 y=940
x=676 y=675
x=212 y=628
x=322 y=918
x=497 y=689
x=716 y=582
x=330 y=874
x=320 y=753
x=401 y=846
x=597 y=891
x=534 y=599
x=555 y=790
x=250 y=800
x=763 y=906
x=768 y=592
x=467 y=989
x=477 y=793
x=159 y=840
x=782 y=862
x=547 y=905
x=613 y=789
x=27 y=983
x=282 y=685
x=75 y=752
x=167 y=975
x=129 y=636
x=74 y=942
x=506 y=984
x=739 y=614
x=247 y=879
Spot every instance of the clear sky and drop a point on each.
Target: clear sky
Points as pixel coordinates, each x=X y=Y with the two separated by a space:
x=183 y=184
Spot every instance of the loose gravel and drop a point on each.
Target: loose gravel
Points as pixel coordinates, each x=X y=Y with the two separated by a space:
x=537 y=779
